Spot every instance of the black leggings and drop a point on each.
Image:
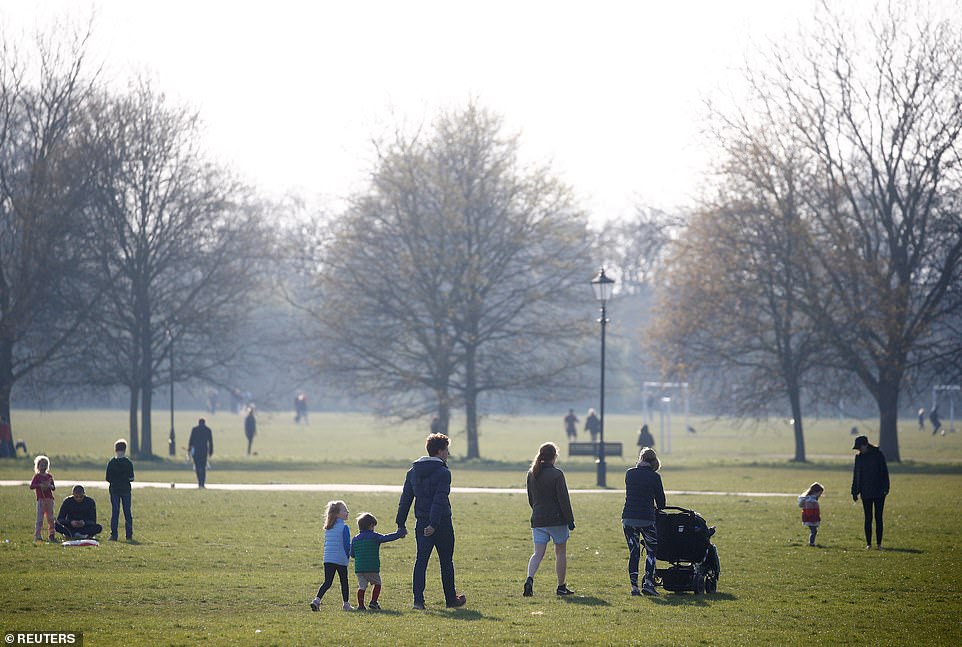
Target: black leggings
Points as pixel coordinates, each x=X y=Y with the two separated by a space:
x=329 y=570
x=879 y=505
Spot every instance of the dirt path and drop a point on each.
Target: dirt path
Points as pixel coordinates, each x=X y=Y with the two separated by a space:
x=388 y=489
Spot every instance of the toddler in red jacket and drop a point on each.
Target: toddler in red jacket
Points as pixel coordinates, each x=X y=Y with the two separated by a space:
x=808 y=502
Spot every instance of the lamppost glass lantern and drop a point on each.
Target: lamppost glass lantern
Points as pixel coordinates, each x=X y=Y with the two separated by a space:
x=603 y=286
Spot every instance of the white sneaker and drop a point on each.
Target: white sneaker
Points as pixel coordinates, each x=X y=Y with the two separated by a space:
x=347 y=607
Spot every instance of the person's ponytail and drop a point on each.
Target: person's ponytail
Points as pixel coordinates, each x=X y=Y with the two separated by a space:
x=546 y=454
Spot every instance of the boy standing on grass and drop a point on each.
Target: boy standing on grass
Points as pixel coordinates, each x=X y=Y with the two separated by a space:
x=366 y=549
x=120 y=472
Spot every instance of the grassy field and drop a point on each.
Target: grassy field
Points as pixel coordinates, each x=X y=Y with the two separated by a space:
x=238 y=568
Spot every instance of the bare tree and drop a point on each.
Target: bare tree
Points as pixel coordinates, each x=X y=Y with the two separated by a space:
x=453 y=276
x=860 y=123
x=180 y=245
x=44 y=297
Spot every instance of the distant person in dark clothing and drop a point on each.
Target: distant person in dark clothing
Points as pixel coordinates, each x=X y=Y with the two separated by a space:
x=201 y=446
x=570 y=421
x=436 y=425
x=250 y=428
x=78 y=516
x=593 y=425
x=870 y=480
x=300 y=408
x=645 y=439
x=936 y=421
x=7 y=449
x=120 y=472
x=921 y=419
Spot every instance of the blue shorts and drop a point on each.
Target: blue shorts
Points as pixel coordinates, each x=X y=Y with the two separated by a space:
x=557 y=534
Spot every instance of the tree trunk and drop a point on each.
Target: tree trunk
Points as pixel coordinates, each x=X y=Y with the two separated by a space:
x=6 y=374
x=796 y=400
x=888 y=406
x=471 y=403
x=132 y=411
x=146 y=447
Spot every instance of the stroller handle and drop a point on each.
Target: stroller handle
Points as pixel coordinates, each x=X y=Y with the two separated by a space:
x=674 y=507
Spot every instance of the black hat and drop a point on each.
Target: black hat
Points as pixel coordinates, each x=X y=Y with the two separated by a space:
x=860 y=441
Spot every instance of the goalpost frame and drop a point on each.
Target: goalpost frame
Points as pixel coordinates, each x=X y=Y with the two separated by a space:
x=646 y=411
x=935 y=400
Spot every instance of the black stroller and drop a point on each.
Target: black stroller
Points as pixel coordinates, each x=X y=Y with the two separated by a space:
x=684 y=542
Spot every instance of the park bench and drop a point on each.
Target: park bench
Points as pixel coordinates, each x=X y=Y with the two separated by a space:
x=591 y=449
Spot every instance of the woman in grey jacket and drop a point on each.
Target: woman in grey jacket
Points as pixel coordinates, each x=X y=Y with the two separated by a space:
x=551 y=516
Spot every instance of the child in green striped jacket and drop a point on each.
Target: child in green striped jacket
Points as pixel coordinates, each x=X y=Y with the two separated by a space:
x=365 y=549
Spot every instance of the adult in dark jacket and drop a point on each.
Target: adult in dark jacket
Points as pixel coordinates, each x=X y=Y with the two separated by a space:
x=551 y=516
x=77 y=518
x=250 y=428
x=201 y=446
x=593 y=425
x=644 y=493
x=428 y=485
x=120 y=472
x=870 y=479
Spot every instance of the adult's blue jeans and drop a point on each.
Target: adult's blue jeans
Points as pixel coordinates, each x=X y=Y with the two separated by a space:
x=443 y=541
x=116 y=500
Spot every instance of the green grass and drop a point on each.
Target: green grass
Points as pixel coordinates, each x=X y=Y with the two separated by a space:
x=238 y=568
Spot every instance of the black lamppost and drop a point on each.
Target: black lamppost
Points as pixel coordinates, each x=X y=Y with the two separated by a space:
x=172 y=440
x=603 y=286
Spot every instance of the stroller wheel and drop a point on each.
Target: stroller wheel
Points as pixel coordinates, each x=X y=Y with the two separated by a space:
x=711 y=584
x=699 y=583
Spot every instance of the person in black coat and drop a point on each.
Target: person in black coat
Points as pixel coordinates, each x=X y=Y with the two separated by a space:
x=201 y=446
x=644 y=493
x=250 y=428
x=870 y=479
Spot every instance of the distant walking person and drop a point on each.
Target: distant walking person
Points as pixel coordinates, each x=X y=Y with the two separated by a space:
x=250 y=428
x=570 y=421
x=870 y=479
x=645 y=439
x=7 y=449
x=936 y=420
x=120 y=472
x=201 y=447
x=551 y=516
x=300 y=408
x=593 y=425
x=921 y=419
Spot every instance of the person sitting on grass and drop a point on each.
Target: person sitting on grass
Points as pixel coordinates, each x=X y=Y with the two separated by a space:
x=365 y=549
x=78 y=516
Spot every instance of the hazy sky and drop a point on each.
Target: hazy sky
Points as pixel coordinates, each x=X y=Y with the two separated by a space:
x=610 y=92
